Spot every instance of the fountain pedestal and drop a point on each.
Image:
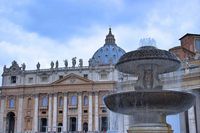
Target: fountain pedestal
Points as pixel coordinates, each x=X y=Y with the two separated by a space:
x=149 y=104
x=150 y=123
x=151 y=128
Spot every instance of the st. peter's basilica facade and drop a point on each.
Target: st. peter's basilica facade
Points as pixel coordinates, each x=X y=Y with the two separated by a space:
x=70 y=98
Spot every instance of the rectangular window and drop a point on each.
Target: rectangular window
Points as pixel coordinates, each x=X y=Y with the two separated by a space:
x=44 y=79
x=61 y=76
x=103 y=76
x=85 y=111
x=74 y=100
x=30 y=80
x=85 y=76
x=104 y=110
x=44 y=101
x=60 y=112
x=11 y=103
x=43 y=112
x=13 y=79
x=197 y=45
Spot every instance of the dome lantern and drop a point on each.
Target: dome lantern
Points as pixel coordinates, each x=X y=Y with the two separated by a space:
x=110 y=39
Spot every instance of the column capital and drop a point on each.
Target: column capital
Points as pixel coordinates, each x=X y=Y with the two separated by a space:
x=96 y=92
x=21 y=96
x=28 y=95
x=36 y=95
x=2 y=97
x=79 y=93
x=50 y=93
x=65 y=93
x=55 y=94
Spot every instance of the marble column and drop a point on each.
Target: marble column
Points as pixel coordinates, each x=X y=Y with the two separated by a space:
x=65 y=110
x=90 y=122
x=96 y=126
x=1 y=115
x=20 y=114
x=79 y=112
x=55 y=112
x=35 y=118
x=191 y=120
x=50 y=113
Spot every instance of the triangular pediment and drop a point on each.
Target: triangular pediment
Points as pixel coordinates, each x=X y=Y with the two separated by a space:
x=72 y=79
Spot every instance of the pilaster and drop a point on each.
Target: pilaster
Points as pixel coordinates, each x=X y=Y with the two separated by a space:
x=90 y=119
x=50 y=113
x=65 y=110
x=79 y=111
x=96 y=127
x=35 y=118
x=55 y=112
x=20 y=114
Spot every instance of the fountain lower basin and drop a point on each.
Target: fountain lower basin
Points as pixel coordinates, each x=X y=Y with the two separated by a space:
x=165 y=102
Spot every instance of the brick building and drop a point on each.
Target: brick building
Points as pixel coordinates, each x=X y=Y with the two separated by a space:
x=189 y=48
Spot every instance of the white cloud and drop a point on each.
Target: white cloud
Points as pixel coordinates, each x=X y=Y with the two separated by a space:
x=166 y=21
x=30 y=48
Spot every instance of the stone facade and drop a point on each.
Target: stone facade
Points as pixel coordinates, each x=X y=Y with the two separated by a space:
x=71 y=96
x=70 y=99
x=67 y=99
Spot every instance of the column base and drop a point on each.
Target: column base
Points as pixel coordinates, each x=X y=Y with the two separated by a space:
x=150 y=128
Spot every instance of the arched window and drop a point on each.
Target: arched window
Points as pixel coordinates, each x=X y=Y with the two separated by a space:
x=29 y=103
x=60 y=101
x=44 y=101
x=74 y=100
x=85 y=101
x=12 y=103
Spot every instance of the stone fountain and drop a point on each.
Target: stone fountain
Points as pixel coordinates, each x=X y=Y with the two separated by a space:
x=149 y=104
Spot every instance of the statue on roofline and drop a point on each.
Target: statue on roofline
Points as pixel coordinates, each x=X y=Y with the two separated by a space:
x=73 y=61
x=23 y=66
x=38 y=66
x=57 y=64
x=52 y=64
x=80 y=62
x=66 y=63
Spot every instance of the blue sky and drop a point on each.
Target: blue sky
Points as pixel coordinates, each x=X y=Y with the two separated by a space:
x=50 y=30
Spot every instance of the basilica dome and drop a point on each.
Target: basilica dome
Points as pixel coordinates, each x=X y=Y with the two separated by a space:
x=109 y=54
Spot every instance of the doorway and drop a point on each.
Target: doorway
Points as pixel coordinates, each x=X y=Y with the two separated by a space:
x=72 y=124
x=85 y=126
x=60 y=127
x=43 y=124
x=10 y=122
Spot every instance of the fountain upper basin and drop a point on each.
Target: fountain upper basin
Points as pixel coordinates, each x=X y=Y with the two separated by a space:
x=164 y=102
x=148 y=55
